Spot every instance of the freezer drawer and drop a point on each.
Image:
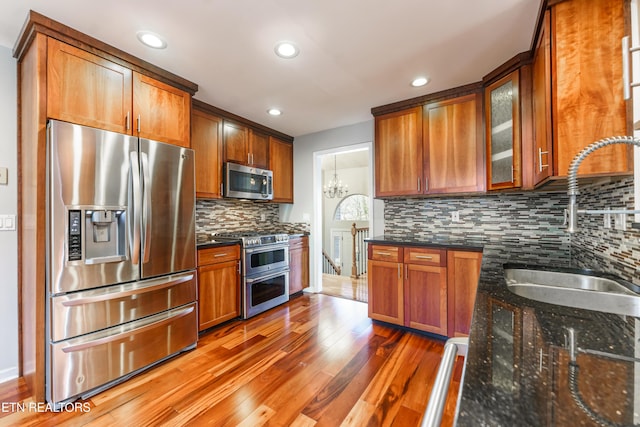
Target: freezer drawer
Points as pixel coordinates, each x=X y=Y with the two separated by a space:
x=89 y=311
x=84 y=365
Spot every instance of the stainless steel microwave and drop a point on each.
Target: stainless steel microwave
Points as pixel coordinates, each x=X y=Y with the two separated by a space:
x=244 y=182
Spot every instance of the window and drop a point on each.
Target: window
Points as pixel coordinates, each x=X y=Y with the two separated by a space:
x=354 y=207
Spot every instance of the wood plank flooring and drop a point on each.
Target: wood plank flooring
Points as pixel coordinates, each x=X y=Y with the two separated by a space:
x=315 y=361
x=345 y=287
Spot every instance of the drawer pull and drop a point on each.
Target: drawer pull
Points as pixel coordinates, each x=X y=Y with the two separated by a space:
x=220 y=255
x=424 y=257
x=383 y=253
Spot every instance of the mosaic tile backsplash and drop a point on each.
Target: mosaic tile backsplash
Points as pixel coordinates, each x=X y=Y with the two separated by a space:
x=593 y=246
x=527 y=227
x=218 y=216
x=504 y=223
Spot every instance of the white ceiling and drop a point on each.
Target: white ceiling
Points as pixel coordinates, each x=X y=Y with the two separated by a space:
x=354 y=54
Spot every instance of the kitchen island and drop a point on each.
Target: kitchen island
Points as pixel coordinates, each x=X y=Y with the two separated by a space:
x=518 y=371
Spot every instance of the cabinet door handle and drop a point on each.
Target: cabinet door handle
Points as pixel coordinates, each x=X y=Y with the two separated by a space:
x=138 y=123
x=512 y=175
x=406 y=271
x=540 y=153
x=238 y=267
x=399 y=272
x=424 y=257
x=127 y=121
x=426 y=184
x=419 y=184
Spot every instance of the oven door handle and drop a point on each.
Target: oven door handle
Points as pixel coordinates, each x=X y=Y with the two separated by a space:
x=266 y=248
x=250 y=280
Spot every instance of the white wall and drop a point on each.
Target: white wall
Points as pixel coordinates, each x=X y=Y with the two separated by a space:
x=8 y=205
x=306 y=169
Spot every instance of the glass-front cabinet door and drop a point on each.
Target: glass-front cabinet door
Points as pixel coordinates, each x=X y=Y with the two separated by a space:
x=502 y=114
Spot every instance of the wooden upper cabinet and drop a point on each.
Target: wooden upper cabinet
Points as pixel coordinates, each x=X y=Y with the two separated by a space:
x=281 y=163
x=258 y=149
x=541 y=105
x=398 y=153
x=453 y=153
x=236 y=143
x=161 y=112
x=206 y=141
x=502 y=125
x=85 y=89
x=245 y=146
x=588 y=102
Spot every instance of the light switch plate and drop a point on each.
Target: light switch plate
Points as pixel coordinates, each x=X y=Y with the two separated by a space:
x=4 y=179
x=7 y=222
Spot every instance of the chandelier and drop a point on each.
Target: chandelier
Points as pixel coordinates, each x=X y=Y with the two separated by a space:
x=335 y=187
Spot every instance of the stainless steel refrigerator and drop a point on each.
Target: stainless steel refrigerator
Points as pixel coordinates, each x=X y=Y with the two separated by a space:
x=121 y=280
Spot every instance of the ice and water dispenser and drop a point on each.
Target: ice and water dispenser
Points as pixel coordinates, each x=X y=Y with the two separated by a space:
x=96 y=235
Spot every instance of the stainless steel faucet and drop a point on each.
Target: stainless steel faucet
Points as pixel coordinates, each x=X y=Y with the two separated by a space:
x=572 y=211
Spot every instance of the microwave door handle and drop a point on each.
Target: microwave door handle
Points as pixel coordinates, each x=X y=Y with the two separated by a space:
x=134 y=208
x=146 y=218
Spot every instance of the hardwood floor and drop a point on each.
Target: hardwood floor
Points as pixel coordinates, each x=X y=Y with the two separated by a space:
x=315 y=361
x=345 y=287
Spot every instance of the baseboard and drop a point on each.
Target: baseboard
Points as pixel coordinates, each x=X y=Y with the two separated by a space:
x=8 y=374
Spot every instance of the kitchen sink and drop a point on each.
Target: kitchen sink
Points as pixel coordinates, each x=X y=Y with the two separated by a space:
x=571 y=289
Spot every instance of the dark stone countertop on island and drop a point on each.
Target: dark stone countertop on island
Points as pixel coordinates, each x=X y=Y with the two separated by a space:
x=517 y=370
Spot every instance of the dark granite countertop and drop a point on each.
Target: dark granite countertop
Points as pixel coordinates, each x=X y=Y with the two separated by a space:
x=460 y=244
x=517 y=370
x=204 y=241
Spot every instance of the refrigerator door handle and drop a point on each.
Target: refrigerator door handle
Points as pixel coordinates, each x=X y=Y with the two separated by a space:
x=146 y=217
x=134 y=206
x=154 y=285
x=120 y=336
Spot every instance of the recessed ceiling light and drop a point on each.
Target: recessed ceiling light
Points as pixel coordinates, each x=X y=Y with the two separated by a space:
x=286 y=50
x=151 y=39
x=419 y=81
x=274 y=111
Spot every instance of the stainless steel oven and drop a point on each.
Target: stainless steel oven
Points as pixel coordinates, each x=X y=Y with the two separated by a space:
x=265 y=270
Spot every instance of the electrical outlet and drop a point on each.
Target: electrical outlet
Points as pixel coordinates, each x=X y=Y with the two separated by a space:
x=455 y=216
x=620 y=221
x=263 y=217
x=607 y=220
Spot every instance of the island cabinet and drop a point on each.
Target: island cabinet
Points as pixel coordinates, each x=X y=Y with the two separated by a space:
x=298 y=264
x=245 y=146
x=577 y=90
x=87 y=89
x=206 y=141
x=281 y=164
x=432 y=149
x=218 y=285
x=427 y=289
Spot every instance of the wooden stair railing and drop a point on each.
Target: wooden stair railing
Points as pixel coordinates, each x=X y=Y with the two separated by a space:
x=328 y=266
x=359 y=247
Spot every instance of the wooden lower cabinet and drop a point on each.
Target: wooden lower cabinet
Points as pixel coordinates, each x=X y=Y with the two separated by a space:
x=433 y=290
x=298 y=264
x=218 y=285
x=425 y=296
x=386 y=294
x=463 y=272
